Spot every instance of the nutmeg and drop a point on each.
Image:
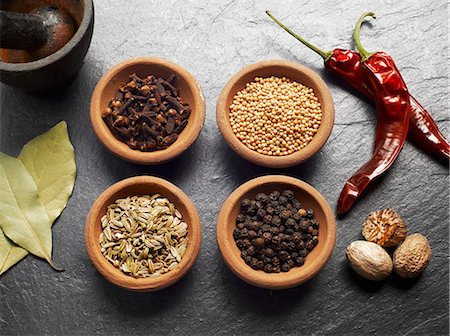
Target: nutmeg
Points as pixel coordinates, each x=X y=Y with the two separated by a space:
x=413 y=256
x=385 y=228
x=369 y=260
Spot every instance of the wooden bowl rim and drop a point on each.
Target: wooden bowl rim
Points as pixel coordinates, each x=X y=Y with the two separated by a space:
x=114 y=275
x=274 y=281
x=319 y=140
x=120 y=149
x=83 y=28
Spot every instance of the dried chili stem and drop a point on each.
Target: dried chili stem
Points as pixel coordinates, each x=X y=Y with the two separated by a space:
x=325 y=54
x=357 y=37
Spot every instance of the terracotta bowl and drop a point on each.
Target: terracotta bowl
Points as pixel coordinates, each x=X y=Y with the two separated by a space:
x=142 y=185
x=315 y=260
x=51 y=72
x=279 y=68
x=190 y=92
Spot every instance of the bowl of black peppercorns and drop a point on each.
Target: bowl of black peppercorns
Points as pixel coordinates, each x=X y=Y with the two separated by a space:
x=276 y=232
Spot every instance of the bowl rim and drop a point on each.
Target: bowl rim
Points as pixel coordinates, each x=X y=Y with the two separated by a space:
x=273 y=281
x=122 y=150
x=86 y=21
x=109 y=272
x=290 y=160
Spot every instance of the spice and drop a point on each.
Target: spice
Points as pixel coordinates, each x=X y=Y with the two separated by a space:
x=147 y=113
x=275 y=116
x=274 y=232
x=385 y=228
x=35 y=190
x=369 y=260
x=346 y=64
x=393 y=108
x=143 y=236
x=412 y=256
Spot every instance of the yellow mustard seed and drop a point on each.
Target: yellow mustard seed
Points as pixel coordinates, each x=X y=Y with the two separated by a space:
x=275 y=116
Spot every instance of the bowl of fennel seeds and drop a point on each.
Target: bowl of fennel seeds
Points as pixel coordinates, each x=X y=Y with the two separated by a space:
x=143 y=233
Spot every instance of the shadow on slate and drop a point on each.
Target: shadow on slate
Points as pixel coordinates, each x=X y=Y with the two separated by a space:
x=180 y=167
x=263 y=301
x=144 y=303
x=243 y=170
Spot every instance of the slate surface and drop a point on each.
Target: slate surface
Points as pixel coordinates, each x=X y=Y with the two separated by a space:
x=214 y=39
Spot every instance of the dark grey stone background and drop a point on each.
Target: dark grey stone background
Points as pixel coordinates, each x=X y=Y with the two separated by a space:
x=214 y=39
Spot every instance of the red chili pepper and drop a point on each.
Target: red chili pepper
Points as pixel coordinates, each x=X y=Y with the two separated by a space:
x=393 y=107
x=346 y=64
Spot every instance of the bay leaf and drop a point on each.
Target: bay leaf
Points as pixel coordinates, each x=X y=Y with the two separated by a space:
x=23 y=218
x=50 y=160
x=10 y=253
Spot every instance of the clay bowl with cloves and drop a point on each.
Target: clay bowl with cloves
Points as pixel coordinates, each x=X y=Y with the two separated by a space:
x=277 y=68
x=309 y=198
x=188 y=90
x=138 y=186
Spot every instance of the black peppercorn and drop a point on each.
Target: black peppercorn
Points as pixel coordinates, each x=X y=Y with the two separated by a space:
x=240 y=218
x=274 y=233
x=266 y=228
x=261 y=213
x=276 y=220
x=299 y=261
x=270 y=210
x=289 y=231
x=290 y=222
x=269 y=252
x=296 y=204
x=252 y=234
x=283 y=255
x=267 y=237
x=295 y=216
x=236 y=233
x=274 y=230
x=245 y=203
x=296 y=237
x=258 y=243
x=285 y=267
x=244 y=233
x=282 y=200
x=301 y=245
x=309 y=245
x=253 y=225
x=274 y=195
x=267 y=219
x=303 y=253
x=304 y=225
x=261 y=197
x=289 y=194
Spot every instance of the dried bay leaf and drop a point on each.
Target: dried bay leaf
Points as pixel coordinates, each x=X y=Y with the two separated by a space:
x=10 y=253
x=50 y=160
x=22 y=216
